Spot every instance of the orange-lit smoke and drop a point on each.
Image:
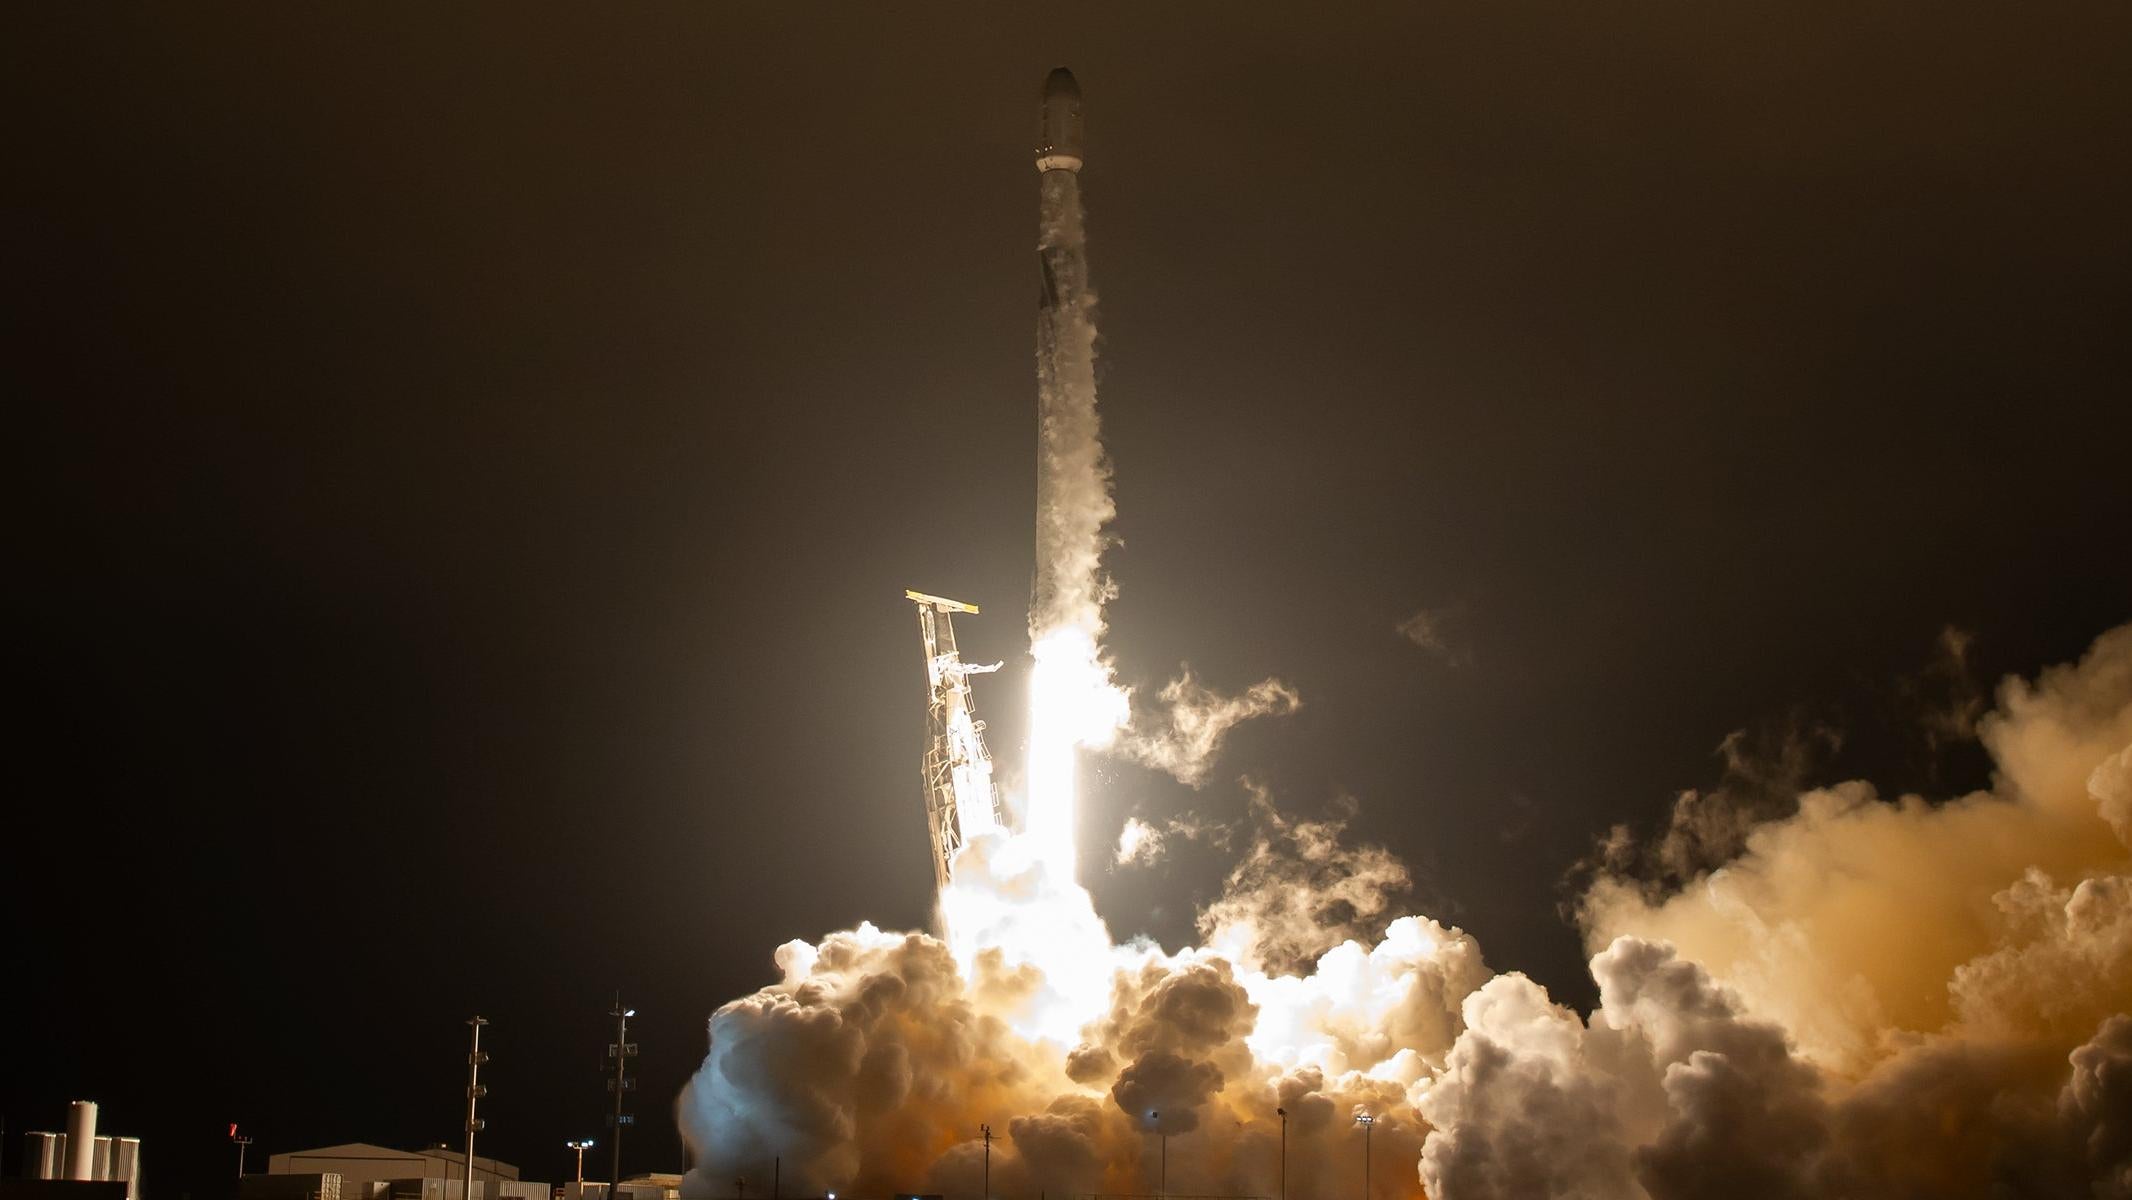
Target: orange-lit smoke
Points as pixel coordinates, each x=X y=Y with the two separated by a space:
x=1873 y=998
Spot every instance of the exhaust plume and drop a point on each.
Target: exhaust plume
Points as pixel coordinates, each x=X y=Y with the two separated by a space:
x=1872 y=998
x=1075 y=700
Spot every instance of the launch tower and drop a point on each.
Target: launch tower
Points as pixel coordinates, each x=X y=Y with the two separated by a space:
x=959 y=800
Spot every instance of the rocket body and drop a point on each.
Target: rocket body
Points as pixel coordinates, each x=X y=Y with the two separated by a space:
x=1072 y=477
x=1060 y=139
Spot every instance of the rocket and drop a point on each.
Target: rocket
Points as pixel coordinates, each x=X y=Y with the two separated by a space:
x=1060 y=141
x=1071 y=496
x=1061 y=145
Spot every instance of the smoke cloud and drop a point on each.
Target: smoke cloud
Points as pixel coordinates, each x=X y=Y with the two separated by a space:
x=870 y=1064
x=1146 y=843
x=1869 y=998
x=1765 y=771
x=1300 y=889
x=1856 y=918
x=1183 y=735
x=1427 y=629
x=1872 y=997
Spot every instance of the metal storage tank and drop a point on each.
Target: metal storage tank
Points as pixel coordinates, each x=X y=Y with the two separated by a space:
x=44 y=1153
x=126 y=1164
x=81 y=1140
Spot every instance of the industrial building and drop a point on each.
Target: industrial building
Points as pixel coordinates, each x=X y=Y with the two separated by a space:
x=654 y=1186
x=361 y=1171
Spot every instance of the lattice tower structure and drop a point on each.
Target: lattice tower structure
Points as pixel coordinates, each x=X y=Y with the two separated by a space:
x=960 y=801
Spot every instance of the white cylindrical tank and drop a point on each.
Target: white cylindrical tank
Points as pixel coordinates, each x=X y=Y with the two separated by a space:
x=81 y=1140
x=126 y=1164
x=44 y=1154
x=100 y=1163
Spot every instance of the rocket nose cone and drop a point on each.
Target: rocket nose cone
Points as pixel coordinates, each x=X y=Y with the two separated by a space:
x=1061 y=83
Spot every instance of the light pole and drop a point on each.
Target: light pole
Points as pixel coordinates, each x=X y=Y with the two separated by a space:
x=474 y=1092
x=988 y=1162
x=621 y=1051
x=1282 y=1113
x=1154 y=1118
x=1365 y=1120
x=240 y=1143
x=580 y=1147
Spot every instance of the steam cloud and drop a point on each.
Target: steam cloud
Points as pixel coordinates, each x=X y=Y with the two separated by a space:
x=1146 y=843
x=1873 y=998
x=1183 y=736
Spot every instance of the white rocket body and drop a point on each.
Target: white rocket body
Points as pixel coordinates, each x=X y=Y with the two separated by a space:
x=1061 y=141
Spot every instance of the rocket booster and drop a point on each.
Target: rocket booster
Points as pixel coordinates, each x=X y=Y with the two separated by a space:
x=1060 y=139
x=1070 y=509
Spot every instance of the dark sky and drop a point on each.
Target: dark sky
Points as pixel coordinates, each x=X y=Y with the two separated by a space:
x=467 y=462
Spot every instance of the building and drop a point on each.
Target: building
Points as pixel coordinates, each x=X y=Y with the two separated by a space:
x=362 y=1171
x=655 y=1186
x=637 y=1187
x=321 y=1185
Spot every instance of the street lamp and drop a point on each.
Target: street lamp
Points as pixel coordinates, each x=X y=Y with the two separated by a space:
x=580 y=1147
x=621 y=1050
x=1365 y=1120
x=1282 y=1113
x=1155 y=1118
x=240 y=1143
x=474 y=1093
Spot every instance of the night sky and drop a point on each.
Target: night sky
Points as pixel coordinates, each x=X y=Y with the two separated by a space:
x=467 y=462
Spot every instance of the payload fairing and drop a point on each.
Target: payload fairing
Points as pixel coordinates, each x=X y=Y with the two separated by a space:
x=1060 y=144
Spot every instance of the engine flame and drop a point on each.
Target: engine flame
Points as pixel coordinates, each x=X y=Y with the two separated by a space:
x=1073 y=704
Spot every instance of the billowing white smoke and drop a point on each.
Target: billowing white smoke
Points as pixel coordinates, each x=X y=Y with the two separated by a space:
x=1874 y=998
x=1299 y=890
x=871 y=1065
